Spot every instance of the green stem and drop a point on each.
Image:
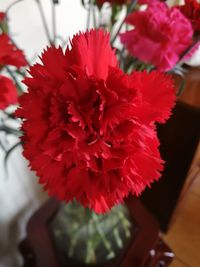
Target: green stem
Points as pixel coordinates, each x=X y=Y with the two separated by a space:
x=44 y=21
x=21 y=73
x=8 y=153
x=189 y=49
x=2 y=147
x=94 y=16
x=129 y=10
x=12 y=4
x=9 y=115
x=102 y=235
x=9 y=130
x=14 y=79
x=90 y=251
x=89 y=15
x=125 y=223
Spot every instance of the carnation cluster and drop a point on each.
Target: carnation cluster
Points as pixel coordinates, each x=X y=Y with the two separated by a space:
x=9 y=55
x=89 y=129
x=8 y=92
x=191 y=10
x=160 y=35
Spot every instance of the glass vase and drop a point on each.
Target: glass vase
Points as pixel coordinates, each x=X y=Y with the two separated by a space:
x=87 y=238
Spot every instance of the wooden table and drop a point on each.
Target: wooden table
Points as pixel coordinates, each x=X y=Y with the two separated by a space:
x=145 y=249
x=179 y=139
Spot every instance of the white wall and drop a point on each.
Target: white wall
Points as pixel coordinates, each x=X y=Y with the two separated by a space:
x=26 y=26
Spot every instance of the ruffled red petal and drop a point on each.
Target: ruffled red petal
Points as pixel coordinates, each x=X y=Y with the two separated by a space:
x=88 y=48
x=10 y=54
x=8 y=92
x=157 y=92
x=88 y=127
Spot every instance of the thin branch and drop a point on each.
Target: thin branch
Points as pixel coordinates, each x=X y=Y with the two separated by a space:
x=11 y=5
x=94 y=16
x=89 y=15
x=54 y=20
x=129 y=10
x=189 y=49
x=14 y=79
x=44 y=21
x=9 y=115
x=9 y=130
x=21 y=73
x=7 y=154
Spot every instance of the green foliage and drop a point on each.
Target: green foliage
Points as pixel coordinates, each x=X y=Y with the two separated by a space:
x=100 y=237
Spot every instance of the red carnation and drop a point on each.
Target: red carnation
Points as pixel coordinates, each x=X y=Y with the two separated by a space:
x=116 y=2
x=160 y=35
x=2 y=16
x=10 y=54
x=89 y=128
x=191 y=10
x=8 y=92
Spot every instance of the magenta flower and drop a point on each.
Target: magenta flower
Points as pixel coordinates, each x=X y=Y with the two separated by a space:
x=160 y=35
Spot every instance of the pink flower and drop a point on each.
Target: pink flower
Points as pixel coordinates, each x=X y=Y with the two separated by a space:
x=160 y=35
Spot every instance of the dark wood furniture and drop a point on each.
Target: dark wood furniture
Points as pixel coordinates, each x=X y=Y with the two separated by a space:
x=179 y=139
x=145 y=249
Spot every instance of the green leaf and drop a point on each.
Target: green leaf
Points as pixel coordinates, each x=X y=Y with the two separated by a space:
x=180 y=72
x=181 y=87
x=9 y=130
x=4 y=27
x=118 y=238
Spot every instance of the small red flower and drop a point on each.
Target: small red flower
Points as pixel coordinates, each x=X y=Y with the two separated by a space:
x=10 y=54
x=8 y=92
x=89 y=128
x=2 y=16
x=191 y=10
x=160 y=35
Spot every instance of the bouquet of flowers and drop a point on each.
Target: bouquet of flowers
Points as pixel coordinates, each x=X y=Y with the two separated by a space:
x=89 y=111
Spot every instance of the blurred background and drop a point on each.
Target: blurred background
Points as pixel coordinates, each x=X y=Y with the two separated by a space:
x=20 y=195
